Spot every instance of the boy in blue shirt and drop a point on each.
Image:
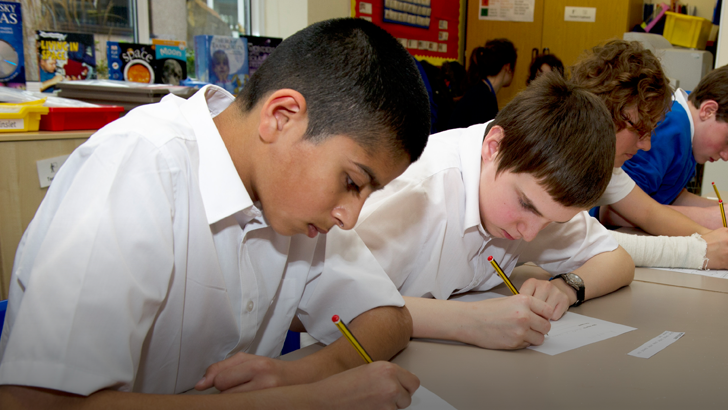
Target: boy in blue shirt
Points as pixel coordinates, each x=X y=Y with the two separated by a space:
x=694 y=132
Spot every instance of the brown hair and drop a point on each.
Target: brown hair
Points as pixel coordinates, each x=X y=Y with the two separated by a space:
x=714 y=86
x=625 y=76
x=561 y=134
x=490 y=60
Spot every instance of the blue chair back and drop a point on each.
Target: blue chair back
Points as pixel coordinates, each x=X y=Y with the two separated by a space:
x=3 y=308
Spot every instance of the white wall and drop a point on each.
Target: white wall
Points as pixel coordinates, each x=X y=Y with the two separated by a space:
x=285 y=17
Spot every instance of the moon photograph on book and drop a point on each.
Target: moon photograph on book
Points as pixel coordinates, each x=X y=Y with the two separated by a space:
x=8 y=59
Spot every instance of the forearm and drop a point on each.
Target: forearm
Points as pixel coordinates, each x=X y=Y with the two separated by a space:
x=708 y=217
x=665 y=252
x=383 y=332
x=21 y=397
x=605 y=273
x=436 y=319
x=689 y=199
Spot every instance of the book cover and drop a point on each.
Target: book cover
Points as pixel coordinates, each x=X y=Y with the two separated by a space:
x=222 y=61
x=131 y=62
x=170 y=61
x=12 y=62
x=259 y=48
x=64 y=56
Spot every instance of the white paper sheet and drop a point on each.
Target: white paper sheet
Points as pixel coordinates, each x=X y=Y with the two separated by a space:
x=570 y=332
x=424 y=399
x=713 y=273
x=656 y=344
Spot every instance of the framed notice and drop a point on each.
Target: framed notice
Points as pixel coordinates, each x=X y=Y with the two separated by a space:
x=507 y=10
x=431 y=30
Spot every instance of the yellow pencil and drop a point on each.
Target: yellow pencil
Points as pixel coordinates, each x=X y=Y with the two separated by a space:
x=716 y=191
x=350 y=337
x=722 y=212
x=502 y=275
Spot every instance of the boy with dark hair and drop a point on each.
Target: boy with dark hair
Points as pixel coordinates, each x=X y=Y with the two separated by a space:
x=186 y=233
x=694 y=132
x=489 y=190
x=630 y=81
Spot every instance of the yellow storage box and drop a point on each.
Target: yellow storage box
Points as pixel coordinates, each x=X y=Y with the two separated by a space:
x=21 y=117
x=687 y=31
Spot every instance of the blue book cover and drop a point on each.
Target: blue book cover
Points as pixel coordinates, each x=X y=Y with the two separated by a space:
x=222 y=61
x=130 y=62
x=12 y=62
x=64 y=56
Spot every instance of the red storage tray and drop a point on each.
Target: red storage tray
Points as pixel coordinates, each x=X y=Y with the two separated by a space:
x=79 y=118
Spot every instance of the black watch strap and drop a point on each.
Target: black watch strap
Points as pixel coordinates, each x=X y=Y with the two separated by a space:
x=575 y=282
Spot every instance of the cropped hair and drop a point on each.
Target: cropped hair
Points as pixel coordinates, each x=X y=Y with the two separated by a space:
x=490 y=59
x=357 y=80
x=561 y=134
x=714 y=86
x=548 y=59
x=625 y=75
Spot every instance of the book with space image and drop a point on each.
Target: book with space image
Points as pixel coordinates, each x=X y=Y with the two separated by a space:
x=131 y=62
x=12 y=62
x=64 y=56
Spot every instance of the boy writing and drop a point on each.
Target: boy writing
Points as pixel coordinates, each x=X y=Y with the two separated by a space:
x=489 y=190
x=694 y=132
x=187 y=232
x=630 y=81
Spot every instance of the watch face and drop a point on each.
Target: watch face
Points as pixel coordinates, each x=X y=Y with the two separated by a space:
x=574 y=280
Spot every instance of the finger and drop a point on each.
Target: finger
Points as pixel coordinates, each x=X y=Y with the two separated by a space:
x=410 y=383
x=242 y=378
x=529 y=287
x=543 y=292
x=539 y=324
x=541 y=308
x=533 y=338
x=214 y=369
x=560 y=309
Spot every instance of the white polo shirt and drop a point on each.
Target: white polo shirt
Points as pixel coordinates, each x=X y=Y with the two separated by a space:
x=424 y=228
x=619 y=187
x=147 y=262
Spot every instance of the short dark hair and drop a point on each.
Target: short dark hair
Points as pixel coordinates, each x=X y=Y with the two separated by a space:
x=561 y=134
x=626 y=75
x=357 y=80
x=490 y=59
x=548 y=59
x=714 y=86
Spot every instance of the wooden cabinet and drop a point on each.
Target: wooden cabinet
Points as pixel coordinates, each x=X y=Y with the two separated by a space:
x=565 y=39
x=20 y=192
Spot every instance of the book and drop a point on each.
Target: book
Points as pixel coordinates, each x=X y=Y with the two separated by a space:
x=12 y=62
x=170 y=61
x=130 y=62
x=259 y=48
x=64 y=56
x=222 y=61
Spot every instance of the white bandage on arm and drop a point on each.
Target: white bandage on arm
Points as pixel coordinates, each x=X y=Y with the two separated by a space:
x=665 y=251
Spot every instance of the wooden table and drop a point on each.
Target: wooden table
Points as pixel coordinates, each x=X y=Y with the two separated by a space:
x=692 y=373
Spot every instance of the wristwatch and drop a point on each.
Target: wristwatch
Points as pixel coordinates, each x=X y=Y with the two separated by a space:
x=573 y=280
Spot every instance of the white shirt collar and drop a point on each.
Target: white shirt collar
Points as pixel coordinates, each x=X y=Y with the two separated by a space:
x=682 y=97
x=223 y=193
x=471 y=162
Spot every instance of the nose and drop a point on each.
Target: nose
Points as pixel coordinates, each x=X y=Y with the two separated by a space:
x=724 y=155
x=644 y=144
x=348 y=212
x=530 y=228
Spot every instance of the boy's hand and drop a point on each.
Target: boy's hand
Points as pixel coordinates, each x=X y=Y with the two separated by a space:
x=246 y=372
x=378 y=385
x=557 y=296
x=513 y=322
x=717 y=252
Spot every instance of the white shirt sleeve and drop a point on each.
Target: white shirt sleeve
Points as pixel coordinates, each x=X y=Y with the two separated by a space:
x=93 y=270
x=619 y=187
x=560 y=248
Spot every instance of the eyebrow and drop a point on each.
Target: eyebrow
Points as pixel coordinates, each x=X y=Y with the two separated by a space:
x=370 y=174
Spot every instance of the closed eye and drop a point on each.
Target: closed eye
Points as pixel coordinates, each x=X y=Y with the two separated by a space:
x=351 y=185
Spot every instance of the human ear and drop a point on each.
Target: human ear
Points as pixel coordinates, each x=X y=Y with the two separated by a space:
x=708 y=109
x=491 y=143
x=283 y=109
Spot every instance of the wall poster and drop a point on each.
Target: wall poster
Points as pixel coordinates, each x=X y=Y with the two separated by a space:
x=507 y=10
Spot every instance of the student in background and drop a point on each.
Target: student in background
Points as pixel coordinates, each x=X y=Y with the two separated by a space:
x=516 y=189
x=694 y=132
x=543 y=63
x=630 y=80
x=491 y=68
x=187 y=233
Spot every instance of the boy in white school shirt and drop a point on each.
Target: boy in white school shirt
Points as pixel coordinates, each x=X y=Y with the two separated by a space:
x=186 y=233
x=514 y=188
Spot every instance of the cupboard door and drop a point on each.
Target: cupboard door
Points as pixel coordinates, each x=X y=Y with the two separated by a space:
x=568 y=39
x=525 y=36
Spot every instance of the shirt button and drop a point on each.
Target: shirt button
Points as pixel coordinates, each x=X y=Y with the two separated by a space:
x=250 y=306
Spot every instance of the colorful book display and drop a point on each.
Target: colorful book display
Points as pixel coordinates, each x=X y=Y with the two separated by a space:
x=130 y=62
x=259 y=48
x=64 y=56
x=12 y=62
x=170 y=62
x=222 y=61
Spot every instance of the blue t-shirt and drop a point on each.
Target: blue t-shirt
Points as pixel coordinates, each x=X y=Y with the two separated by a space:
x=663 y=171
